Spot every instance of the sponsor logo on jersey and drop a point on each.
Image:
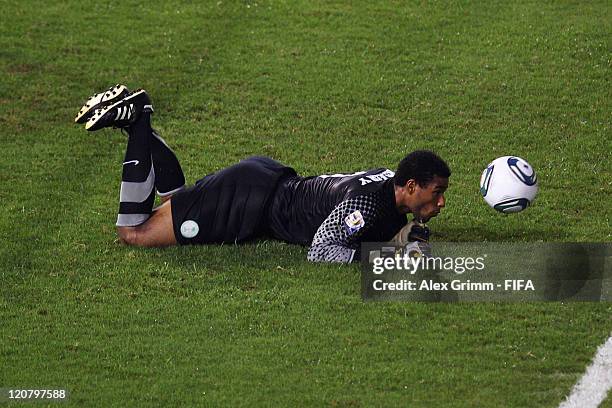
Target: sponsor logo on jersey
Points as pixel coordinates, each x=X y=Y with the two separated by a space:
x=353 y=222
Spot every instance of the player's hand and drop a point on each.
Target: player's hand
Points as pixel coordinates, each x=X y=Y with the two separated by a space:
x=414 y=238
x=413 y=231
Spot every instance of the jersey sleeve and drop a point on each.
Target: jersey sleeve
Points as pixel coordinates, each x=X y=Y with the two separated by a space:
x=339 y=236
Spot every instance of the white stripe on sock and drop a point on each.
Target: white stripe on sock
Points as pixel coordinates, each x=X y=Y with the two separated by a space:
x=133 y=192
x=131 y=220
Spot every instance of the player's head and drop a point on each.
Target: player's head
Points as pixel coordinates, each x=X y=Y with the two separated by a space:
x=420 y=182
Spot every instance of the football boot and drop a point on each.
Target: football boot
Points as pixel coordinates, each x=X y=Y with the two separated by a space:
x=99 y=100
x=121 y=114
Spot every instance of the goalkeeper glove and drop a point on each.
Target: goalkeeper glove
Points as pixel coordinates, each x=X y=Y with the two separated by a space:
x=413 y=231
x=414 y=239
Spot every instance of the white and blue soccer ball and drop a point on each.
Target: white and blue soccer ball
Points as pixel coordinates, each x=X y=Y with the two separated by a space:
x=509 y=184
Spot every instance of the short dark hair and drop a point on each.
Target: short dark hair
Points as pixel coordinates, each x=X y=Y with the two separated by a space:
x=422 y=166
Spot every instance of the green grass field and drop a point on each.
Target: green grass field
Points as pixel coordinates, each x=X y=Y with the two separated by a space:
x=325 y=87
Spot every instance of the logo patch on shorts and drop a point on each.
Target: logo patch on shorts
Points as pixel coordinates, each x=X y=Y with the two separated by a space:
x=353 y=222
x=189 y=229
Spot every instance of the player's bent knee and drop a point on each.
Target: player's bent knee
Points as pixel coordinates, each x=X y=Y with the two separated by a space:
x=128 y=235
x=157 y=231
x=135 y=236
x=145 y=236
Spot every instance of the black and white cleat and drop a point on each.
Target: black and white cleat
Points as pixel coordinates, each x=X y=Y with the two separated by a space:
x=121 y=114
x=100 y=100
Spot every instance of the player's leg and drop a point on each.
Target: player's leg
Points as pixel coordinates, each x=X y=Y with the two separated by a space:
x=138 y=175
x=108 y=108
x=169 y=177
x=157 y=231
x=136 y=223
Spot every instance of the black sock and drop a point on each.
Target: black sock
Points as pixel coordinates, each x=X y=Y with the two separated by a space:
x=169 y=176
x=138 y=178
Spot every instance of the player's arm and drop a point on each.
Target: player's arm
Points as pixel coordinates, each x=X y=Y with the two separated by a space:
x=338 y=237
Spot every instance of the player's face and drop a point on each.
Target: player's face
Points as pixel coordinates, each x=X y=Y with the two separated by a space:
x=424 y=202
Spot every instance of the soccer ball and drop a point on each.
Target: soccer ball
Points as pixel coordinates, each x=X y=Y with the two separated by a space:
x=509 y=184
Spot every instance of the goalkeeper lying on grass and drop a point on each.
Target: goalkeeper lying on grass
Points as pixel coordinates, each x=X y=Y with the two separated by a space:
x=260 y=197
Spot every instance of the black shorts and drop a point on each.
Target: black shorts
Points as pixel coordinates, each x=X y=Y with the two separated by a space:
x=228 y=206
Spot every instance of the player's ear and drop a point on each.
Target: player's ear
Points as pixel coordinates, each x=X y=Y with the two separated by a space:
x=410 y=186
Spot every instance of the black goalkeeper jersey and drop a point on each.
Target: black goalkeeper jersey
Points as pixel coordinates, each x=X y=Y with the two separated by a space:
x=335 y=213
x=260 y=197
